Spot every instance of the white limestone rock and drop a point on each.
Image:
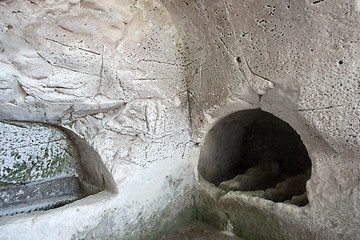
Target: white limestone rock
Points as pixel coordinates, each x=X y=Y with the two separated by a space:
x=112 y=73
x=309 y=51
x=31 y=152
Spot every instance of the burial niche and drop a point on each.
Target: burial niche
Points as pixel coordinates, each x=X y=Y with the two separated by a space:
x=255 y=151
x=45 y=166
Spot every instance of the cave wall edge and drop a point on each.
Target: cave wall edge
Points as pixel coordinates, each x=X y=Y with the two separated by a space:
x=298 y=61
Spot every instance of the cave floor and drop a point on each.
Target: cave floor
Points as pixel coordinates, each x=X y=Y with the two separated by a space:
x=198 y=231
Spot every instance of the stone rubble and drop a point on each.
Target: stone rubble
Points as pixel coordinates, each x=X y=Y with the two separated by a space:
x=289 y=188
x=254 y=178
x=264 y=180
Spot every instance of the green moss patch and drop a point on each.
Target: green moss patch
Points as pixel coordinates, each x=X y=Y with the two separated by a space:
x=34 y=151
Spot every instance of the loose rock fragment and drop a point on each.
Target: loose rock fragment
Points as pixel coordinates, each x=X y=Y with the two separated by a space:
x=300 y=200
x=254 y=178
x=288 y=188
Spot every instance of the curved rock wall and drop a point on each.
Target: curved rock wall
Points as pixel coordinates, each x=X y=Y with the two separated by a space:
x=124 y=78
x=298 y=60
x=112 y=74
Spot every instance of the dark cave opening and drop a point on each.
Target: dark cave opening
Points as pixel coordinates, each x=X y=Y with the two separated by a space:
x=253 y=150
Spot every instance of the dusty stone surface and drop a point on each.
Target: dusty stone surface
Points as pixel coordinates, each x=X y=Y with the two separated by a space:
x=198 y=231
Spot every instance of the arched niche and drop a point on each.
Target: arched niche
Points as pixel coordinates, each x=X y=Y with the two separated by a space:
x=45 y=166
x=252 y=150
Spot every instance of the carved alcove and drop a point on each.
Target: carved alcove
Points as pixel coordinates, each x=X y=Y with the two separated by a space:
x=45 y=166
x=255 y=151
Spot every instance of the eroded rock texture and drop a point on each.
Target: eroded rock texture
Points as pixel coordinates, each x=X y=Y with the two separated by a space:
x=304 y=55
x=38 y=168
x=33 y=152
x=111 y=73
x=137 y=83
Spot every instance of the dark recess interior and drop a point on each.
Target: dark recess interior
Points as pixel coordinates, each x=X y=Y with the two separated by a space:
x=253 y=150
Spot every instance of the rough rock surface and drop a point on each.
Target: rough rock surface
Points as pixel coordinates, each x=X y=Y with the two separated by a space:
x=249 y=216
x=198 y=231
x=298 y=60
x=112 y=74
x=32 y=152
x=130 y=79
x=38 y=167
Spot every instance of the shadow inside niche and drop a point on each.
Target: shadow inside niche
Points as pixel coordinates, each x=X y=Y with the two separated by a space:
x=45 y=166
x=93 y=174
x=253 y=150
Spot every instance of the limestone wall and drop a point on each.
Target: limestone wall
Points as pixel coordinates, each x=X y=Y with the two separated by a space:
x=31 y=153
x=137 y=83
x=112 y=74
x=298 y=60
